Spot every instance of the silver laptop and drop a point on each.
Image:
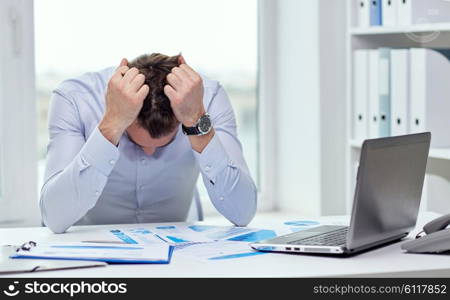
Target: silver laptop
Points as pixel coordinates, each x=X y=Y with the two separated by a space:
x=386 y=201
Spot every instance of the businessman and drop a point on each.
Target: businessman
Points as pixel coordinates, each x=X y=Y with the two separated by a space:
x=127 y=145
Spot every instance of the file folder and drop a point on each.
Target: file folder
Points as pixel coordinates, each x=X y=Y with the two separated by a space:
x=375 y=12
x=384 y=91
x=422 y=11
x=389 y=12
x=430 y=94
x=374 y=99
x=363 y=9
x=400 y=91
x=360 y=95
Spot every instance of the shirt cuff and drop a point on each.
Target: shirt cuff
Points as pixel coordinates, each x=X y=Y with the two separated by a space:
x=100 y=153
x=213 y=158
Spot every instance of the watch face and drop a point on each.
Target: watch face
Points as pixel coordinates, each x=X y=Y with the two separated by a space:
x=204 y=124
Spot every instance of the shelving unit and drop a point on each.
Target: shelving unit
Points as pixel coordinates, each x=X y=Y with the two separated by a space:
x=434 y=153
x=414 y=36
x=419 y=28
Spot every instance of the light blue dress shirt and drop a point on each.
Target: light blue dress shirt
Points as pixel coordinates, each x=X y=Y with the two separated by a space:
x=88 y=180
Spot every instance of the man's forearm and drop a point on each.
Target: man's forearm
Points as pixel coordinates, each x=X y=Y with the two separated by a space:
x=234 y=195
x=225 y=175
x=63 y=202
x=68 y=194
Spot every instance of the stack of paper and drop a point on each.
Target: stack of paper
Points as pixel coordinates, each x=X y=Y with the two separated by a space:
x=155 y=244
x=206 y=242
x=185 y=234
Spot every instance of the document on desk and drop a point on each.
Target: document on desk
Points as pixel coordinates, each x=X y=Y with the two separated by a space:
x=157 y=253
x=137 y=236
x=298 y=225
x=207 y=233
x=218 y=251
x=192 y=233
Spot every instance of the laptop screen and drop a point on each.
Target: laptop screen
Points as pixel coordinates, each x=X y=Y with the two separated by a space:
x=388 y=189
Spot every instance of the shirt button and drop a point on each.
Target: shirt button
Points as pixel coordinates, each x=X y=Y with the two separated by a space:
x=207 y=168
x=97 y=193
x=112 y=162
x=143 y=161
x=221 y=198
x=84 y=162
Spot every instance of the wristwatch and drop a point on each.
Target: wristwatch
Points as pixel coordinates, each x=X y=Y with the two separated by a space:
x=202 y=127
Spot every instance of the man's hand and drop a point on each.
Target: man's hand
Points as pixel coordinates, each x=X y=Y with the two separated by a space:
x=185 y=92
x=124 y=99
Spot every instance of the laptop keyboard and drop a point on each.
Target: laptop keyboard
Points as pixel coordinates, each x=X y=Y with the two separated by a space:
x=333 y=238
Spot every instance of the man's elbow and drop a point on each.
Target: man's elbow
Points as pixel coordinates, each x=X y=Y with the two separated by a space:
x=242 y=221
x=56 y=226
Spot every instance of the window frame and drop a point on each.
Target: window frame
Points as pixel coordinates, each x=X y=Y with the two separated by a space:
x=267 y=108
x=18 y=130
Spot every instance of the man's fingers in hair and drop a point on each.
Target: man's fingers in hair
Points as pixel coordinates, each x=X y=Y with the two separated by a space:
x=122 y=68
x=173 y=80
x=137 y=82
x=192 y=74
x=170 y=92
x=120 y=71
x=123 y=62
x=143 y=92
x=129 y=76
x=182 y=74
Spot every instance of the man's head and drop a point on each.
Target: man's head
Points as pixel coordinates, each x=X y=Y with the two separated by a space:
x=156 y=124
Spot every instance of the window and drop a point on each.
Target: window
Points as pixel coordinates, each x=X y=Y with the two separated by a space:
x=218 y=38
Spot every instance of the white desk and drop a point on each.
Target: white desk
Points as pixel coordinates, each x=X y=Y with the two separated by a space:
x=389 y=261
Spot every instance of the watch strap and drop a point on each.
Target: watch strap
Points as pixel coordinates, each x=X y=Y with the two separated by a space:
x=191 y=130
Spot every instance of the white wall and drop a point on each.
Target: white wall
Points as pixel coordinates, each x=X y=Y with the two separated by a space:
x=18 y=201
x=308 y=91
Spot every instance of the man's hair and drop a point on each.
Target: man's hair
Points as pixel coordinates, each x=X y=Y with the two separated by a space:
x=156 y=115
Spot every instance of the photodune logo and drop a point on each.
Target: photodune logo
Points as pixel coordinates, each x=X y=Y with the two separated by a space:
x=11 y=290
x=429 y=36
